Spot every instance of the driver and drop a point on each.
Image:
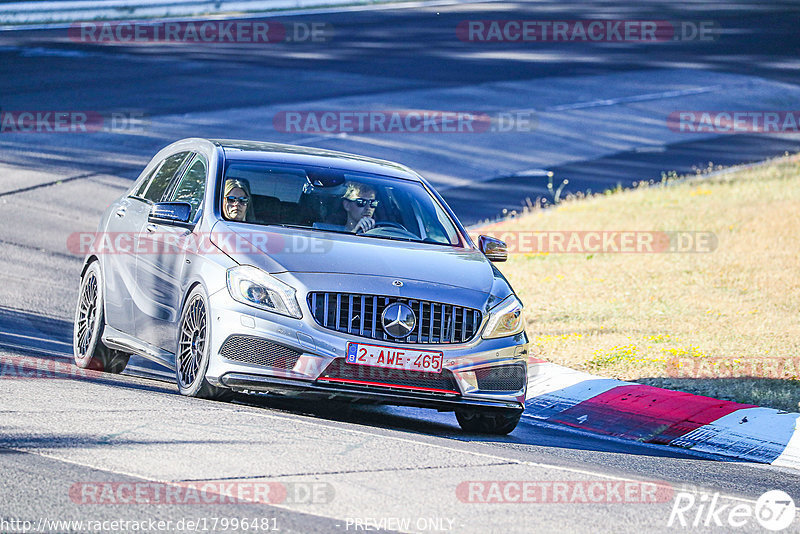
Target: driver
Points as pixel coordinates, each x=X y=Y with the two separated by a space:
x=236 y=205
x=359 y=203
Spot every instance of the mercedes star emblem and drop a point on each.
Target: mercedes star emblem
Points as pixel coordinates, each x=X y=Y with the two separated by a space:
x=398 y=320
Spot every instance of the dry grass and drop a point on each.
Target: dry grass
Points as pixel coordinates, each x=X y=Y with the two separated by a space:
x=690 y=321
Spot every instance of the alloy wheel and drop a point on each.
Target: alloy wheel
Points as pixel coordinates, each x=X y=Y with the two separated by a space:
x=192 y=343
x=87 y=312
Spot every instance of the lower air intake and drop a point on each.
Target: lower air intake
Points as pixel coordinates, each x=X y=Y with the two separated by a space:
x=341 y=371
x=259 y=351
x=501 y=378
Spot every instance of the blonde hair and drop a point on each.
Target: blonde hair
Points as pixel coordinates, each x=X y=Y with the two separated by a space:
x=230 y=185
x=354 y=190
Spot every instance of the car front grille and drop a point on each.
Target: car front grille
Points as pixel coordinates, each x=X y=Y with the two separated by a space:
x=258 y=351
x=361 y=315
x=341 y=371
x=501 y=378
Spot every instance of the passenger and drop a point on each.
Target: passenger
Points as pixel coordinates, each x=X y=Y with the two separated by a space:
x=236 y=205
x=359 y=203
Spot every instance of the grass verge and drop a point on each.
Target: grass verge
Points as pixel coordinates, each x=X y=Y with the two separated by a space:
x=724 y=323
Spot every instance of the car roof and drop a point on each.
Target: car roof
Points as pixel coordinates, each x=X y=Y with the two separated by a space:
x=280 y=153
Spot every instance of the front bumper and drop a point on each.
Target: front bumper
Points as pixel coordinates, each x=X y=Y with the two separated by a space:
x=314 y=349
x=249 y=383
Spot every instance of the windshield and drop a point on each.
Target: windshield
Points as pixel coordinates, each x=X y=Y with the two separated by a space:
x=331 y=200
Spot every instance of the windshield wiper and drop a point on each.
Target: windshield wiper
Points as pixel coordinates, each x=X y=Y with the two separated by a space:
x=406 y=239
x=298 y=226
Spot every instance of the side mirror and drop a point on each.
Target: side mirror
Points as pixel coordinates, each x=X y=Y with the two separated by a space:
x=170 y=213
x=492 y=248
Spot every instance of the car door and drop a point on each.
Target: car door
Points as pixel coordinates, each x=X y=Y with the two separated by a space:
x=160 y=272
x=119 y=260
x=138 y=209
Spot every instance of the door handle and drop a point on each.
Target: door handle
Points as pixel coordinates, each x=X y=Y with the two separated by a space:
x=150 y=228
x=121 y=212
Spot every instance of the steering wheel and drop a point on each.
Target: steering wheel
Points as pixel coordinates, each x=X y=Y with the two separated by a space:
x=389 y=224
x=391 y=228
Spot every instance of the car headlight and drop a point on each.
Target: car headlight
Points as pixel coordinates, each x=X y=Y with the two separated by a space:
x=252 y=286
x=505 y=319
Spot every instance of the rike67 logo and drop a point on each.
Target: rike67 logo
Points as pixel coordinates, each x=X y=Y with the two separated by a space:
x=774 y=510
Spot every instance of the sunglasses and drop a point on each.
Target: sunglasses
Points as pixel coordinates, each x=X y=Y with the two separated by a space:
x=361 y=202
x=241 y=200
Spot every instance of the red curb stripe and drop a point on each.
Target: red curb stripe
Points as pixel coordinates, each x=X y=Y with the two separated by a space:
x=646 y=413
x=383 y=384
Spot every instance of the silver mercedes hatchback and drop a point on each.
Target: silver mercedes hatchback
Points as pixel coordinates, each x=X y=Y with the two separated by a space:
x=263 y=268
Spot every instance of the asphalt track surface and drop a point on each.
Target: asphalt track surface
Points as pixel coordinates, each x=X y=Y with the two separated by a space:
x=58 y=429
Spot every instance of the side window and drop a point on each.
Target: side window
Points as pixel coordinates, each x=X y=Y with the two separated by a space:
x=192 y=186
x=139 y=191
x=154 y=188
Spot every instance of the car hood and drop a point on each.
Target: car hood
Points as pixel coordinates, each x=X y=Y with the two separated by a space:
x=276 y=250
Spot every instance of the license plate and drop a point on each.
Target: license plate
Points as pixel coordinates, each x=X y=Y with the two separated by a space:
x=394 y=358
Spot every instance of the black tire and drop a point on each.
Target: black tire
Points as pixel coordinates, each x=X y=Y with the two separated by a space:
x=192 y=356
x=497 y=422
x=87 y=343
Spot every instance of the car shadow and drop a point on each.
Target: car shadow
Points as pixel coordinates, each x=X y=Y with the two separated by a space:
x=424 y=421
x=39 y=347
